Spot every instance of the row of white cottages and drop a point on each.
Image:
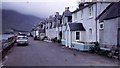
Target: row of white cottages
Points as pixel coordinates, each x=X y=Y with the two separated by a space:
x=91 y=22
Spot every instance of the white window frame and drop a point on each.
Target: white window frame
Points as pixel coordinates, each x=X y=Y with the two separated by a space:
x=100 y=26
x=75 y=36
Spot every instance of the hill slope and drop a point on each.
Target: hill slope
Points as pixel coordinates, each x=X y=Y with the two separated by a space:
x=15 y=20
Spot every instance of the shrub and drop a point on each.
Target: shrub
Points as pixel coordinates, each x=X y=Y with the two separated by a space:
x=59 y=41
x=101 y=52
x=54 y=39
x=45 y=37
x=92 y=50
x=95 y=49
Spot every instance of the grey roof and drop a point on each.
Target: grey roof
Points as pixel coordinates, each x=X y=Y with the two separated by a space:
x=76 y=27
x=54 y=19
x=112 y=11
x=42 y=31
x=82 y=7
x=67 y=13
x=49 y=20
x=59 y=17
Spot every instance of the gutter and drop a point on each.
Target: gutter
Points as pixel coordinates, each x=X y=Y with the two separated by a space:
x=96 y=22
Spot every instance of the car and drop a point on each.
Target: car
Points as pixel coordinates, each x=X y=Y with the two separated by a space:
x=22 y=40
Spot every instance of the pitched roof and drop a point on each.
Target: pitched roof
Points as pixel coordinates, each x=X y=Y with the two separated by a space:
x=76 y=27
x=82 y=7
x=59 y=17
x=42 y=31
x=112 y=11
x=67 y=13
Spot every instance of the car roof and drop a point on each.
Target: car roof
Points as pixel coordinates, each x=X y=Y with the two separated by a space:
x=21 y=36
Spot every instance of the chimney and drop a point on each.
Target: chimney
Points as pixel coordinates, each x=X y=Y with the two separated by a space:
x=57 y=13
x=66 y=8
x=81 y=5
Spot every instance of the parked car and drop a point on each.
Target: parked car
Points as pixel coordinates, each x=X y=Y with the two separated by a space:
x=22 y=40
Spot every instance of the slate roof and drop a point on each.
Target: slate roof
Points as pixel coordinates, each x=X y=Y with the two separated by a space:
x=112 y=11
x=82 y=7
x=67 y=13
x=42 y=31
x=59 y=17
x=76 y=27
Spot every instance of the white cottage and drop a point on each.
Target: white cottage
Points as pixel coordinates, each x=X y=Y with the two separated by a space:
x=85 y=16
x=49 y=26
x=58 y=26
x=74 y=33
x=66 y=18
x=109 y=21
x=53 y=27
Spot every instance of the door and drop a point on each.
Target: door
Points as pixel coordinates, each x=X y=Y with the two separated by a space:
x=118 y=37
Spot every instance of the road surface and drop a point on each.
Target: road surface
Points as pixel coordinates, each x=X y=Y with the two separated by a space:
x=41 y=53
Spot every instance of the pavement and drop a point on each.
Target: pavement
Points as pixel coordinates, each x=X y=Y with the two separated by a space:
x=42 y=53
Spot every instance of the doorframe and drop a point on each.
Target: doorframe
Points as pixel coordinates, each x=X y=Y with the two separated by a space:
x=118 y=35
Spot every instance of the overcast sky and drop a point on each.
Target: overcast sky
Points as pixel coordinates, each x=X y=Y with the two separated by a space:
x=40 y=8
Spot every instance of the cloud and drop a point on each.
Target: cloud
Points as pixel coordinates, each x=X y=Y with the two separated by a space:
x=40 y=9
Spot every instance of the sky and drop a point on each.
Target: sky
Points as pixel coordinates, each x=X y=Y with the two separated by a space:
x=39 y=8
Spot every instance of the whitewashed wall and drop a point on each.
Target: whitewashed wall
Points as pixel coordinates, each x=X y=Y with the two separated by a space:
x=89 y=21
x=109 y=32
x=73 y=36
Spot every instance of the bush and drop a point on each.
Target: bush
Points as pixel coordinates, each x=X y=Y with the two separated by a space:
x=101 y=52
x=92 y=50
x=95 y=49
x=45 y=37
x=59 y=41
x=54 y=39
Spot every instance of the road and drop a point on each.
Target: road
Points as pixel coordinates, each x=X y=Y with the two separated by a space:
x=41 y=53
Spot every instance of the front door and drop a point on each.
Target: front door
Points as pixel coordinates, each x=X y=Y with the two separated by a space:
x=118 y=38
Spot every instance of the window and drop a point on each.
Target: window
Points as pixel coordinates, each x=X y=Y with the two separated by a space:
x=90 y=34
x=75 y=16
x=77 y=35
x=81 y=13
x=90 y=11
x=101 y=26
x=70 y=19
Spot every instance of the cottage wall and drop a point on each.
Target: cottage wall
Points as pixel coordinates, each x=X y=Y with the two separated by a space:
x=73 y=36
x=109 y=33
x=83 y=16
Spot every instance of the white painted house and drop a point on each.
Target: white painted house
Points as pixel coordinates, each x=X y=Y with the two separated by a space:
x=58 y=26
x=109 y=21
x=50 y=31
x=88 y=30
x=53 y=26
x=66 y=18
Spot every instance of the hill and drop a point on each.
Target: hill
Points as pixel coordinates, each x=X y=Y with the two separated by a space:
x=14 y=20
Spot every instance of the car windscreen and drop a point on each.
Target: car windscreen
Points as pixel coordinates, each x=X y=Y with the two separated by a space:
x=22 y=38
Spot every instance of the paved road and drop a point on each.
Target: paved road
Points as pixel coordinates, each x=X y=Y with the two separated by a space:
x=41 y=53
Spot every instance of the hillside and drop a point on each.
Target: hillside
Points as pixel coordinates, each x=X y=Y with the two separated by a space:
x=18 y=21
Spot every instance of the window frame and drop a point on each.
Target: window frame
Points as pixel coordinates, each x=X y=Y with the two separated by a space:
x=90 y=10
x=76 y=36
x=102 y=25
